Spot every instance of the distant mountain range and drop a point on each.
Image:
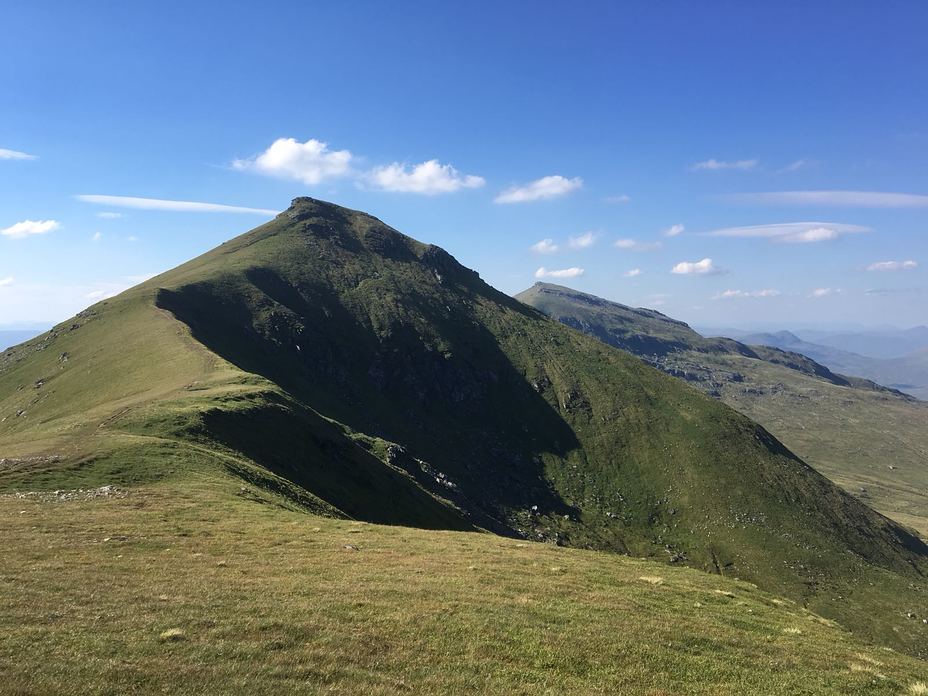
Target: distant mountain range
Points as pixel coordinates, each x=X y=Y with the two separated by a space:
x=908 y=373
x=884 y=344
x=362 y=374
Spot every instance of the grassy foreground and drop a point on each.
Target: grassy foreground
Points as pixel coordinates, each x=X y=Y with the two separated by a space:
x=213 y=587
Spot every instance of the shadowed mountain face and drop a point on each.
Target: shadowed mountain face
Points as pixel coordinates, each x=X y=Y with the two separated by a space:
x=328 y=354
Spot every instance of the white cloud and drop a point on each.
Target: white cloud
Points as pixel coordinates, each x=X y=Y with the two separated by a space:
x=844 y=199
x=635 y=245
x=97 y=236
x=792 y=232
x=15 y=155
x=582 y=241
x=546 y=187
x=108 y=215
x=714 y=165
x=732 y=294
x=176 y=206
x=816 y=234
x=311 y=162
x=632 y=273
x=545 y=246
x=27 y=228
x=4 y=282
x=893 y=266
x=623 y=198
x=824 y=292
x=674 y=231
x=428 y=178
x=573 y=272
x=704 y=267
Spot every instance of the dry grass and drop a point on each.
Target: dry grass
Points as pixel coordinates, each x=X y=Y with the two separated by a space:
x=652 y=579
x=205 y=592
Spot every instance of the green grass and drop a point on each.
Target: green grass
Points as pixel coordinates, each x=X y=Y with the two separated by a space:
x=328 y=360
x=265 y=599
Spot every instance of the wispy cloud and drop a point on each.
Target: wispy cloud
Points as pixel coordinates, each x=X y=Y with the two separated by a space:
x=633 y=273
x=795 y=166
x=703 y=267
x=674 y=231
x=540 y=189
x=97 y=236
x=893 y=266
x=635 y=245
x=545 y=246
x=28 y=228
x=573 y=272
x=824 y=292
x=622 y=198
x=895 y=291
x=176 y=206
x=714 y=165
x=429 y=178
x=6 y=282
x=15 y=155
x=837 y=199
x=582 y=241
x=734 y=294
x=109 y=215
x=791 y=232
x=311 y=162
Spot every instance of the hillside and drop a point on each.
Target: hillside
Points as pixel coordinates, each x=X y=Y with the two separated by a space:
x=218 y=587
x=330 y=359
x=871 y=441
x=908 y=373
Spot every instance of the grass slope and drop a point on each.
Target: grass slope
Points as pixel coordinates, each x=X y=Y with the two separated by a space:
x=216 y=588
x=871 y=441
x=331 y=360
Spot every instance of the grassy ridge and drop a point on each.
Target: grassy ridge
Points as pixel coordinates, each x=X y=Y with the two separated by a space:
x=214 y=587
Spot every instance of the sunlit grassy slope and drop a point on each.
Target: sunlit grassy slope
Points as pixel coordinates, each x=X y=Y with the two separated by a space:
x=358 y=373
x=215 y=587
x=871 y=441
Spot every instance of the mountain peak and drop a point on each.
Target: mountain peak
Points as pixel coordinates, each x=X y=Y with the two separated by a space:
x=329 y=355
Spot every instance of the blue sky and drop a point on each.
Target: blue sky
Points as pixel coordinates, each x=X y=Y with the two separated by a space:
x=788 y=139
